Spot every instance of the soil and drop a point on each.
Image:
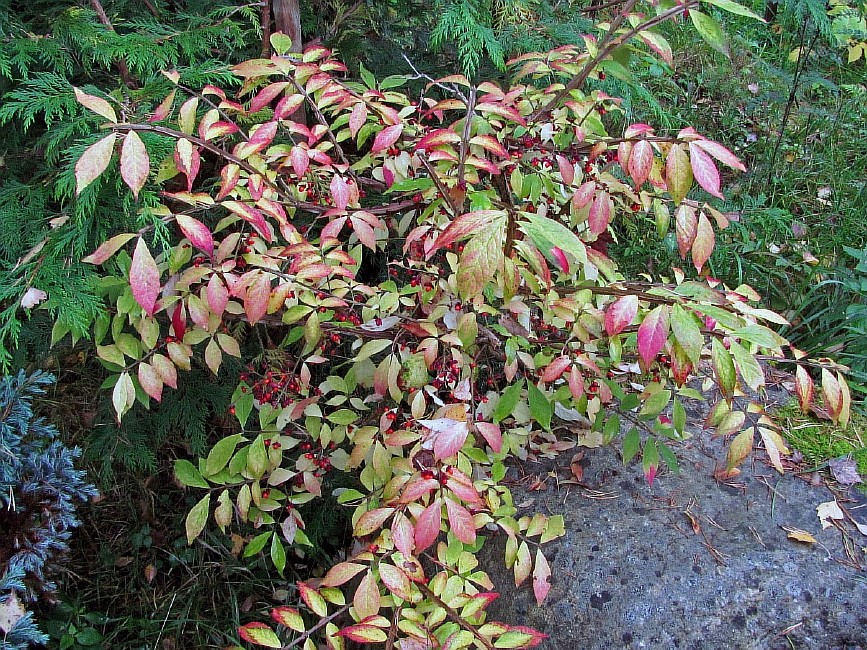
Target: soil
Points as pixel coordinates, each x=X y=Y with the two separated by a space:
x=691 y=562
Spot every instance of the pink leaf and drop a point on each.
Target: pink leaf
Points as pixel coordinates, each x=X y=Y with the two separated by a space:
x=561 y=259
x=704 y=242
x=144 y=278
x=722 y=154
x=492 y=435
x=357 y=118
x=165 y=369
x=705 y=171
x=621 y=314
x=437 y=138
x=448 y=435
x=134 y=162
x=461 y=522
x=403 y=534
x=257 y=297
x=641 y=162
x=300 y=160
x=583 y=195
x=427 y=526
x=624 y=151
x=650 y=474
x=107 y=249
x=385 y=138
x=96 y=104
x=652 y=333
x=567 y=170
x=218 y=295
x=163 y=110
x=150 y=381
x=267 y=95
x=197 y=232
x=339 y=192
x=93 y=162
x=576 y=382
x=600 y=213
x=541 y=575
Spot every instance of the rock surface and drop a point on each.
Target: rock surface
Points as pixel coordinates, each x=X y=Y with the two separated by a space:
x=690 y=563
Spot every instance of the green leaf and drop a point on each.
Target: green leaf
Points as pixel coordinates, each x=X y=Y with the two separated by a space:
x=188 y=475
x=711 y=32
x=482 y=256
x=507 y=402
x=196 y=518
x=678 y=416
x=724 y=368
x=656 y=403
x=547 y=233
x=256 y=544
x=760 y=335
x=669 y=458
x=243 y=407
x=219 y=456
x=687 y=333
x=260 y=634
x=612 y=427
x=540 y=407
x=278 y=554
x=749 y=367
x=631 y=445
x=650 y=458
x=342 y=416
x=281 y=43
x=257 y=459
x=734 y=8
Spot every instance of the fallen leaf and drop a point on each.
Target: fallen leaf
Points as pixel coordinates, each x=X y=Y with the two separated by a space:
x=827 y=511
x=32 y=297
x=799 y=535
x=11 y=611
x=845 y=471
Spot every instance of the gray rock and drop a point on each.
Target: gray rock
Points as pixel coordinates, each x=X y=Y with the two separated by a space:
x=632 y=572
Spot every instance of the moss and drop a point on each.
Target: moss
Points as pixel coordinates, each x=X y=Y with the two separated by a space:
x=821 y=441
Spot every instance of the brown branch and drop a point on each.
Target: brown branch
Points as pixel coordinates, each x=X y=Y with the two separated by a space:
x=455 y=616
x=455 y=210
x=265 y=19
x=612 y=44
x=122 y=68
x=465 y=136
x=322 y=622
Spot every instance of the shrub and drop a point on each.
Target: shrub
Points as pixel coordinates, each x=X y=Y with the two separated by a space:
x=427 y=276
x=39 y=491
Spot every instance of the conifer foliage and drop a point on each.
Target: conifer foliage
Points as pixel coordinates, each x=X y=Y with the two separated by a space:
x=40 y=489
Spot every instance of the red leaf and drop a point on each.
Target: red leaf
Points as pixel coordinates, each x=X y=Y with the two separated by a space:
x=418 y=487
x=342 y=573
x=600 y=213
x=461 y=522
x=197 y=232
x=652 y=333
x=163 y=110
x=107 y=249
x=229 y=177
x=641 y=162
x=427 y=526
x=686 y=224
x=179 y=321
x=832 y=395
x=357 y=118
x=555 y=369
x=144 y=278
x=385 y=138
x=621 y=314
x=267 y=95
x=491 y=144
x=804 y=388
x=339 y=192
x=704 y=242
x=576 y=382
x=567 y=170
x=371 y=521
x=257 y=297
x=541 y=575
x=448 y=435
x=463 y=226
x=704 y=169
x=583 y=195
x=188 y=161
x=438 y=138
x=134 y=162
x=93 y=162
x=260 y=634
x=462 y=486
x=492 y=435
x=560 y=257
